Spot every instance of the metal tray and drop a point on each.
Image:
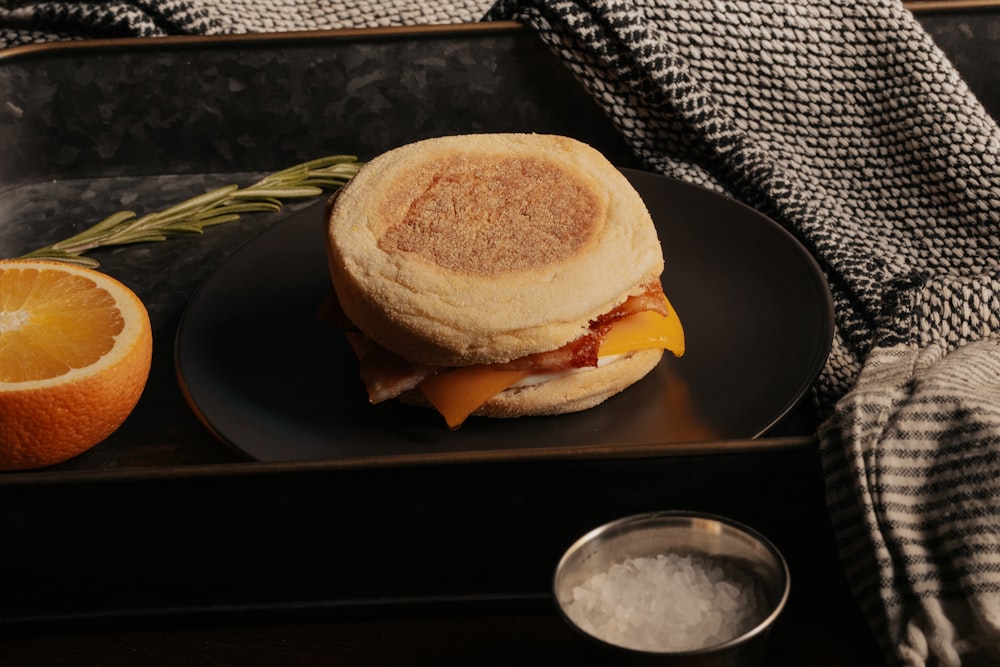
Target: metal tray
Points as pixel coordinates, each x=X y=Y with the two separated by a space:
x=89 y=129
x=162 y=520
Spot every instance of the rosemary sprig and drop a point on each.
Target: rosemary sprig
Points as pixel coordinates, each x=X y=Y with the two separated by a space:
x=215 y=207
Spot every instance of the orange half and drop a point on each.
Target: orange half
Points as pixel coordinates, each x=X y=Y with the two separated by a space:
x=75 y=352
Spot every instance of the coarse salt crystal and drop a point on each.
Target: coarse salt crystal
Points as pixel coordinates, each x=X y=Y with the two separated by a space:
x=670 y=602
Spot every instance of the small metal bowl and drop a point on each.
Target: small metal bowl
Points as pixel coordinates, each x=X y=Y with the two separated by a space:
x=702 y=536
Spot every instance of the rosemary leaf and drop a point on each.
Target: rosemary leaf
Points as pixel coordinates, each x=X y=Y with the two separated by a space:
x=263 y=206
x=237 y=203
x=143 y=238
x=103 y=227
x=218 y=220
x=181 y=228
x=66 y=258
x=211 y=198
x=111 y=221
x=215 y=207
x=279 y=193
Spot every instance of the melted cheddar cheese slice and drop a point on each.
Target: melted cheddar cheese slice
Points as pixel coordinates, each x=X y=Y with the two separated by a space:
x=457 y=393
x=644 y=330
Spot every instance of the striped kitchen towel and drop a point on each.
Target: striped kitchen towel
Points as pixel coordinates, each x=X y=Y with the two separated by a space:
x=33 y=21
x=844 y=122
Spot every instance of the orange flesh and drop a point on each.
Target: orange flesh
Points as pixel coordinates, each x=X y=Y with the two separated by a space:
x=51 y=323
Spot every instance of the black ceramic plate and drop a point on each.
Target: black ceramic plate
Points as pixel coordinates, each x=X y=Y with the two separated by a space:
x=270 y=380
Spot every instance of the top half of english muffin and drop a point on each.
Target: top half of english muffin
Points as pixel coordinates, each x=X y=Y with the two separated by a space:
x=484 y=248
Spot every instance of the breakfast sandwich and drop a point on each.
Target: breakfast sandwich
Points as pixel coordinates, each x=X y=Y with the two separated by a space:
x=499 y=275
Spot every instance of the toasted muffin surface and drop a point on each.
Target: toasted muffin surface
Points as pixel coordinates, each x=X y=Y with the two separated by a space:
x=479 y=215
x=485 y=248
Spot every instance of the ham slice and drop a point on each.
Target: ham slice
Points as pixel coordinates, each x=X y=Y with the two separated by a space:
x=385 y=374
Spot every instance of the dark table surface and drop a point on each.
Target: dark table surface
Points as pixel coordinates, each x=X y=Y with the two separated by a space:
x=160 y=515
x=816 y=634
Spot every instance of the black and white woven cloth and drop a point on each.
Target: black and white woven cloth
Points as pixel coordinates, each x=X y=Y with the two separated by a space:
x=844 y=122
x=31 y=21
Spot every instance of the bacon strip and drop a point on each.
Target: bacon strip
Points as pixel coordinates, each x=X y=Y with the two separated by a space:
x=578 y=353
x=651 y=299
x=582 y=352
